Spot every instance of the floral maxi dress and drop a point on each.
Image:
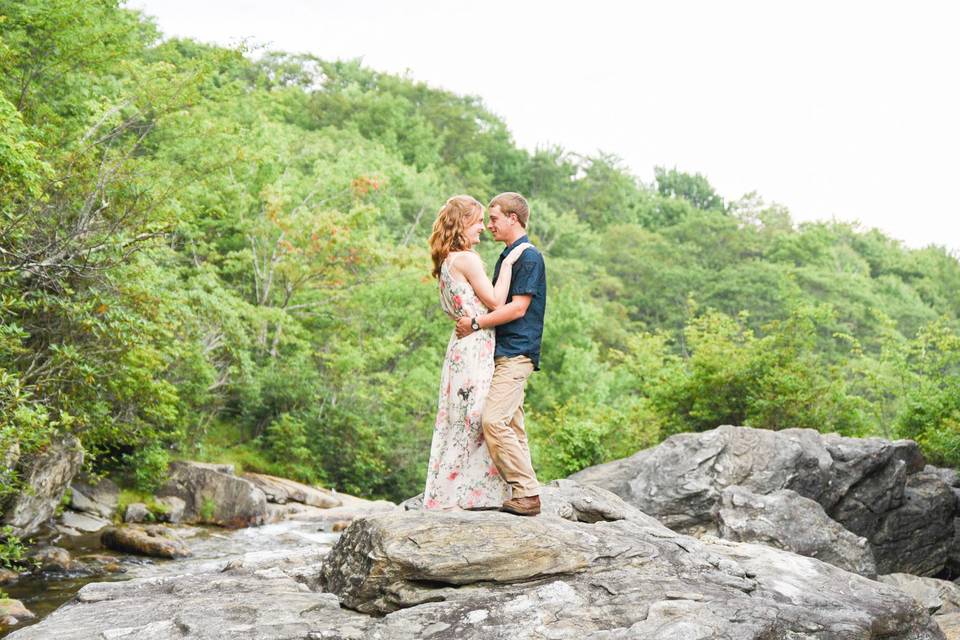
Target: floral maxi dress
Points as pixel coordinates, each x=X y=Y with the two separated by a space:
x=461 y=473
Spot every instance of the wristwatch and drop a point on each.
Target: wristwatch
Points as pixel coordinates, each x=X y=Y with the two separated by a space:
x=474 y=324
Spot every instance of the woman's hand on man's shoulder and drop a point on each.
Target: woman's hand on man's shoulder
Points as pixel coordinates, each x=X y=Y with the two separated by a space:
x=516 y=252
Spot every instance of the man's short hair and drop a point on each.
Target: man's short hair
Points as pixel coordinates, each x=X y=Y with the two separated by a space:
x=514 y=203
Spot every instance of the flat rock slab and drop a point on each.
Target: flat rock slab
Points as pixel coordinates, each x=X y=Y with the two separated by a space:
x=282 y=490
x=351 y=509
x=83 y=522
x=245 y=600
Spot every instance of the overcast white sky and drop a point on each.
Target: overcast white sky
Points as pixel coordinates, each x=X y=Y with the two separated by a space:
x=836 y=109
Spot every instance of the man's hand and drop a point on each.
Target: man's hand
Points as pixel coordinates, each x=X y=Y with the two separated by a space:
x=463 y=327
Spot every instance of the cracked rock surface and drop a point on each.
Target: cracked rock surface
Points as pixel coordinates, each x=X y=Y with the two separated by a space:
x=590 y=567
x=593 y=567
x=786 y=520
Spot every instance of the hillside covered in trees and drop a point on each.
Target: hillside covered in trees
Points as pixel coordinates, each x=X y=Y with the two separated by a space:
x=219 y=256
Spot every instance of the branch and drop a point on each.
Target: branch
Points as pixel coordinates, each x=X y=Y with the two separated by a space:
x=409 y=234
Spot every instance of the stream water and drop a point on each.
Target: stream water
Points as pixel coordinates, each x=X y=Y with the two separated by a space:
x=209 y=545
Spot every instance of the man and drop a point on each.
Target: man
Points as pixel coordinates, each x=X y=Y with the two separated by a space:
x=519 y=329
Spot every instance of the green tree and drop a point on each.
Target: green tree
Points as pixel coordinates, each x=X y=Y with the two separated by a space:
x=693 y=188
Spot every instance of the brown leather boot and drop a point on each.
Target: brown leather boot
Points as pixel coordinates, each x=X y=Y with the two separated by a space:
x=529 y=506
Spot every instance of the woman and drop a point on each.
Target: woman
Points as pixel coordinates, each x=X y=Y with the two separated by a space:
x=461 y=473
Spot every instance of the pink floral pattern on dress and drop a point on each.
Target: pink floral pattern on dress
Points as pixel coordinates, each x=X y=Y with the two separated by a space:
x=461 y=473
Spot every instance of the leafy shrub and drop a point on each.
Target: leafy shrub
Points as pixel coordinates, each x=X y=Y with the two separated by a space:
x=12 y=549
x=207 y=508
x=286 y=441
x=147 y=467
x=578 y=435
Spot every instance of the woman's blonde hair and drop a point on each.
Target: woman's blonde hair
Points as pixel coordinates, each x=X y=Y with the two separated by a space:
x=449 y=229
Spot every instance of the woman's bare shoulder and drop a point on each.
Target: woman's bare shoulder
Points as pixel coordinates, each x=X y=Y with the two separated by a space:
x=466 y=257
x=463 y=263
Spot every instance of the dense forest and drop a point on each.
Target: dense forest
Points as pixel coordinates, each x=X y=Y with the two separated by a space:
x=221 y=255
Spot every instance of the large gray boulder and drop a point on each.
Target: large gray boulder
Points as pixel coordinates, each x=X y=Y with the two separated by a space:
x=97 y=497
x=593 y=567
x=590 y=567
x=918 y=535
x=45 y=477
x=680 y=480
x=91 y=508
x=952 y=479
x=786 y=520
x=172 y=509
x=875 y=488
x=213 y=494
x=54 y=560
x=139 y=512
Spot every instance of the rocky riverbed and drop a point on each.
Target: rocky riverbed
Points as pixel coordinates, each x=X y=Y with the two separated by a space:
x=731 y=534
x=591 y=566
x=211 y=548
x=83 y=546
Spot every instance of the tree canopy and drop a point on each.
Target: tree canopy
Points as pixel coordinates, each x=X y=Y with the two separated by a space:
x=214 y=255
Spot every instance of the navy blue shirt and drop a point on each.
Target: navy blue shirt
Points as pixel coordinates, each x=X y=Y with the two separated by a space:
x=522 y=336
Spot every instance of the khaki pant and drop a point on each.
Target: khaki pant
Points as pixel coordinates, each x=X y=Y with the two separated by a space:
x=503 y=427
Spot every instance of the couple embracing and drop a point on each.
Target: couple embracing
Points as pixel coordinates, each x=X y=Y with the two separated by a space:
x=479 y=458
